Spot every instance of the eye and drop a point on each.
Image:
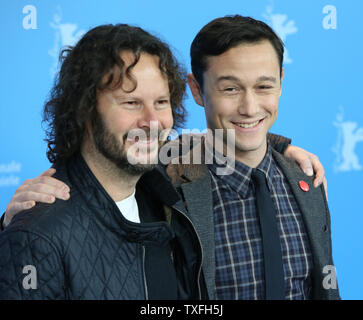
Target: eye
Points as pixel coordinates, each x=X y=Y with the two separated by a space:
x=264 y=87
x=230 y=89
x=123 y=101
x=130 y=104
x=163 y=103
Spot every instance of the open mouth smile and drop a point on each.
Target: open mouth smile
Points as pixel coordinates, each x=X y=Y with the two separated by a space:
x=248 y=126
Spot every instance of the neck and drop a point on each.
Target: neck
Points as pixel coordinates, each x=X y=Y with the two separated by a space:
x=251 y=158
x=117 y=183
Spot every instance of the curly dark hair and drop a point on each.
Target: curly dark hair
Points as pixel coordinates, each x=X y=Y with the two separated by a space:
x=73 y=98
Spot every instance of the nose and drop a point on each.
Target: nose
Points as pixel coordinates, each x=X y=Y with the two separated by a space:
x=248 y=104
x=148 y=118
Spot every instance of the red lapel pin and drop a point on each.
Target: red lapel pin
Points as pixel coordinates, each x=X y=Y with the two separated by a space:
x=303 y=186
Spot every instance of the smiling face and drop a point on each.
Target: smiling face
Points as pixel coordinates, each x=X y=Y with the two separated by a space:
x=241 y=92
x=121 y=133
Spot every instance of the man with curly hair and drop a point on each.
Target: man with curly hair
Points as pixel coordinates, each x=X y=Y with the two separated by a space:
x=111 y=240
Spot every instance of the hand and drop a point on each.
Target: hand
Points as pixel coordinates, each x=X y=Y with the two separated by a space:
x=40 y=189
x=309 y=163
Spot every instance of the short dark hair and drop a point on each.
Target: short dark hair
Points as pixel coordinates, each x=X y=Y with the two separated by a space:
x=227 y=32
x=73 y=98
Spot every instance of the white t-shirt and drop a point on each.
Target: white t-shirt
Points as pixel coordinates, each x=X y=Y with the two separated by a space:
x=129 y=208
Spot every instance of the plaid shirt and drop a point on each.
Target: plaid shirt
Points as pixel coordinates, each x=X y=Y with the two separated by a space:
x=238 y=250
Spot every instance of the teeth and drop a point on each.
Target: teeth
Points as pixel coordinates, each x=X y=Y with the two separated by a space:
x=247 y=125
x=146 y=141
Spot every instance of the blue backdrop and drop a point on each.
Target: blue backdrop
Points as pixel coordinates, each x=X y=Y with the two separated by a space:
x=320 y=108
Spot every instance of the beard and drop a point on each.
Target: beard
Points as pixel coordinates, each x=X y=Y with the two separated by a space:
x=113 y=150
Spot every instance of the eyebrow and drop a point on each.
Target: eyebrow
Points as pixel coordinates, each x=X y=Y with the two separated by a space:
x=165 y=96
x=266 y=78
x=131 y=95
x=231 y=78
x=259 y=79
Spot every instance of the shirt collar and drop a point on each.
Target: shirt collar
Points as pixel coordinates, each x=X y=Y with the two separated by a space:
x=240 y=178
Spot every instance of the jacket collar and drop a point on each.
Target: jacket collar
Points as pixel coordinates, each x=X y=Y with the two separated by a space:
x=182 y=168
x=160 y=186
x=104 y=209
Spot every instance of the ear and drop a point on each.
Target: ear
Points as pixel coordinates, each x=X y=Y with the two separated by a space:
x=281 y=78
x=195 y=89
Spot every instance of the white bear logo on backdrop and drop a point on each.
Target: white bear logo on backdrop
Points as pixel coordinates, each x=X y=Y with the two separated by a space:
x=282 y=26
x=349 y=134
x=66 y=35
x=9 y=174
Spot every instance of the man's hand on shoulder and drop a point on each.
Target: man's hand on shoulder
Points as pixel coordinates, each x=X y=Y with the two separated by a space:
x=309 y=163
x=43 y=188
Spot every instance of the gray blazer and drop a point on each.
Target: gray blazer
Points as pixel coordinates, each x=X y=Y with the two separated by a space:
x=194 y=184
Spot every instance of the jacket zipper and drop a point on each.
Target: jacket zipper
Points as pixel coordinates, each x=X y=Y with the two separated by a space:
x=143 y=272
x=200 y=243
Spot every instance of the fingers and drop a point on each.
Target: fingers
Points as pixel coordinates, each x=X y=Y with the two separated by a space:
x=26 y=196
x=15 y=207
x=319 y=171
x=48 y=172
x=302 y=157
x=305 y=165
x=312 y=164
x=308 y=162
x=52 y=183
x=43 y=188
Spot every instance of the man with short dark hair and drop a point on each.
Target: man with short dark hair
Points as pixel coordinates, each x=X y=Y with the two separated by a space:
x=268 y=228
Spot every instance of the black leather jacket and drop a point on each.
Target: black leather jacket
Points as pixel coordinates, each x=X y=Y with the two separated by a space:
x=83 y=248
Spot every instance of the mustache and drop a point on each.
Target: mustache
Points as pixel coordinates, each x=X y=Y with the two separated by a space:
x=136 y=135
x=146 y=134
